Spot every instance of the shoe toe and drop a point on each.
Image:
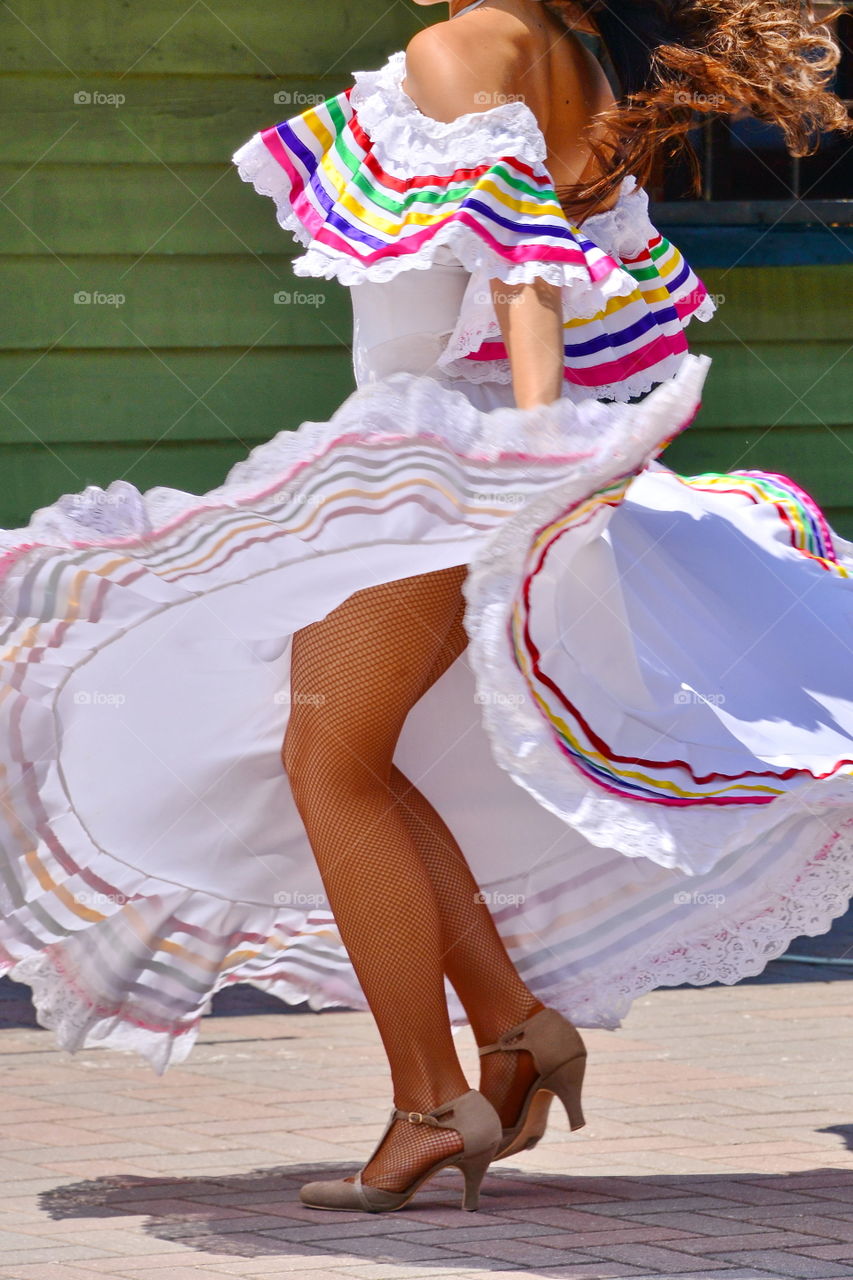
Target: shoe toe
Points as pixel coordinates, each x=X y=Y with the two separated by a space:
x=328 y=1195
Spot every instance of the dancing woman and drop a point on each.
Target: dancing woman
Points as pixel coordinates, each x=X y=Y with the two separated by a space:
x=482 y=195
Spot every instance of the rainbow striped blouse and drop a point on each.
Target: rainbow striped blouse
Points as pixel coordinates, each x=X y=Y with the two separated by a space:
x=371 y=186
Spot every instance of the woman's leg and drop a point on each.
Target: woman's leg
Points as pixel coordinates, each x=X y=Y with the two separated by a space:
x=354 y=677
x=339 y=665
x=475 y=959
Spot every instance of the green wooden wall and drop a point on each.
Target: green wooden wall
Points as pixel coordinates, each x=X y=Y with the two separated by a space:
x=138 y=199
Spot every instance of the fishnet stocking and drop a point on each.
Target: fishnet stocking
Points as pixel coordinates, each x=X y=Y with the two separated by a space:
x=475 y=958
x=401 y=892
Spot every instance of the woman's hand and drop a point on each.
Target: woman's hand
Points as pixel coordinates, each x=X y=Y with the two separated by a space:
x=531 y=320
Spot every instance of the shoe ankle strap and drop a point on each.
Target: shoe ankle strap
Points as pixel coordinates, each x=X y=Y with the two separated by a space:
x=427 y=1117
x=515 y=1033
x=502 y=1045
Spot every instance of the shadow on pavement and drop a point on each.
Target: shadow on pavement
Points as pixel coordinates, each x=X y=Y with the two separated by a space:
x=258 y=1214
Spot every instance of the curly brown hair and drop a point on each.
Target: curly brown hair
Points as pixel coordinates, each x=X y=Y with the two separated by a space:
x=772 y=59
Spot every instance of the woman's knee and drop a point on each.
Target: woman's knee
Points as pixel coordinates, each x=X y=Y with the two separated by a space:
x=321 y=763
x=302 y=752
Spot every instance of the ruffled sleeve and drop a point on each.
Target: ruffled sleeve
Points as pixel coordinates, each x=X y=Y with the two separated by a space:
x=623 y=328
x=371 y=187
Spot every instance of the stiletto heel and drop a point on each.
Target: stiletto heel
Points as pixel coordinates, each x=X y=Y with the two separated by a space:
x=475 y=1120
x=566 y=1083
x=473 y=1171
x=559 y=1055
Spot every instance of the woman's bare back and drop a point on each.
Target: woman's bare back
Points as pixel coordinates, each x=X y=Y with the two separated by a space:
x=519 y=52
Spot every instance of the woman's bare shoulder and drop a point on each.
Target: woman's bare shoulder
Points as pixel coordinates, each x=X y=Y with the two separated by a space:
x=449 y=73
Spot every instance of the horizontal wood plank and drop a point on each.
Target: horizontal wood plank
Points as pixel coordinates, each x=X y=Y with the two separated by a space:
x=162 y=121
x=34 y=476
x=126 y=396
x=199 y=209
x=769 y=384
x=133 y=394
x=178 y=301
x=763 y=304
x=231 y=37
x=136 y=209
x=818 y=459
x=110 y=302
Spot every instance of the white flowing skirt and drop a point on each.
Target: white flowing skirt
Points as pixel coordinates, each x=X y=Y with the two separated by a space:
x=645 y=752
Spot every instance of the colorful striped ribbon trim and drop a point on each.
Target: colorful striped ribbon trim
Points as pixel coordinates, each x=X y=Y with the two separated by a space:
x=340 y=199
x=671 y=782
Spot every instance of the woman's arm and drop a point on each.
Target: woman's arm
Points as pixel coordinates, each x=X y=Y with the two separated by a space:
x=531 y=320
x=446 y=79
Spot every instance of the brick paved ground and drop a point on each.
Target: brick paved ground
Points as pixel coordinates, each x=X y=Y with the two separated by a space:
x=717 y=1145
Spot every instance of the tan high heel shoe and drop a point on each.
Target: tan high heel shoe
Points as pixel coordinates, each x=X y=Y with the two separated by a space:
x=471 y=1115
x=559 y=1055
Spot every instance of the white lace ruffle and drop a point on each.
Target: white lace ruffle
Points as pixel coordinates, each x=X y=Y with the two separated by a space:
x=734 y=947
x=401 y=406
x=808 y=890
x=405 y=140
x=403 y=136
x=81 y=1022
x=466 y=245
x=622 y=232
x=738 y=944
x=626 y=228
x=636 y=384
x=256 y=165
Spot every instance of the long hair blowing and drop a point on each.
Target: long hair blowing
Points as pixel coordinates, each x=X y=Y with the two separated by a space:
x=771 y=59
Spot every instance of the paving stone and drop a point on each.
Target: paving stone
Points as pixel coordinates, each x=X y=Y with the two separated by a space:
x=731 y=1273
x=791 y=1264
x=834 y=1252
x=737 y=1170
x=763 y=1238
x=658 y=1256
